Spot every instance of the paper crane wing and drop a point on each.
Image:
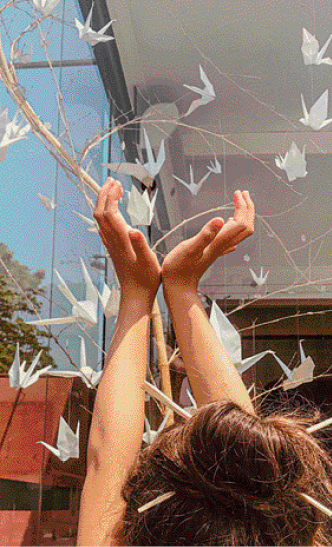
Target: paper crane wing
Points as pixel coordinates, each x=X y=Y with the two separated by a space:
x=140 y=209
x=261 y=279
x=55 y=451
x=153 y=167
x=90 y=304
x=302 y=374
x=318 y=112
x=45 y=7
x=110 y=300
x=250 y=361
x=53 y=321
x=192 y=187
x=207 y=93
x=132 y=169
x=283 y=366
x=327 y=60
x=208 y=86
x=14 y=371
x=226 y=333
x=214 y=168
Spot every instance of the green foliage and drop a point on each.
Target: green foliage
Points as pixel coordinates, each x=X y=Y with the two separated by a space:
x=12 y=328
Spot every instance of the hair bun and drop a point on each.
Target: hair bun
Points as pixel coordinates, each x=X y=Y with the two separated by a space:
x=232 y=458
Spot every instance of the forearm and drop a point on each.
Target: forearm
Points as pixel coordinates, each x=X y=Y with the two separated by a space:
x=119 y=393
x=117 y=424
x=211 y=372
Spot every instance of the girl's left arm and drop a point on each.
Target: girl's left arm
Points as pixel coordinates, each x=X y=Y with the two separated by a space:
x=118 y=415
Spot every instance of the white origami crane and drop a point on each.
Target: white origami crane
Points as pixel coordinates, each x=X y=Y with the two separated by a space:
x=310 y=49
x=316 y=119
x=302 y=374
x=145 y=173
x=91 y=375
x=23 y=57
x=150 y=435
x=48 y=204
x=67 y=443
x=153 y=167
x=110 y=300
x=93 y=226
x=88 y=375
x=294 y=162
x=93 y=37
x=86 y=310
x=20 y=378
x=45 y=7
x=216 y=167
x=231 y=340
x=11 y=131
x=140 y=208
x=261 y=279
x=207 y=93
x=194 y=188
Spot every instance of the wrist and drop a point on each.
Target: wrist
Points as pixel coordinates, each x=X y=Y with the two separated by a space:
x=171 y=288
x=143 y=298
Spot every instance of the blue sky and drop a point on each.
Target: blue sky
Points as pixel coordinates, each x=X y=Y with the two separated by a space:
x=26 y=227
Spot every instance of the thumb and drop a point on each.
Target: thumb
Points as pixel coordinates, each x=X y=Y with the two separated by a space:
x=205 y=236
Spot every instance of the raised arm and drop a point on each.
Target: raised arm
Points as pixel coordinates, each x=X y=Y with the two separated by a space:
x=211 y=373
x=118 y=415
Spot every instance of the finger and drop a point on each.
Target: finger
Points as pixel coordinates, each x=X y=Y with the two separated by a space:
x=101 y=200
x=140 y=246
x=250 y=207
x=199 y=242
x=240 y=205
x=115 y=193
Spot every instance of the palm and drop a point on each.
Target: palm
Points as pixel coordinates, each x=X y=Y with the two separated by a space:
x=187 y=262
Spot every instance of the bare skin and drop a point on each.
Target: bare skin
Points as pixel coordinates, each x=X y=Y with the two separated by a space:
x=118 y=417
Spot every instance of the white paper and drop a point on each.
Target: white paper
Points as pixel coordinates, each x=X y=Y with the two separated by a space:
x=294 y=162
x=192 y=187
x=85 y=310
x=207 y=93
x=316 y=119
x=11 y=131
x=303 y=373
x=261 y=278
x=231 y=340
x=91 y=377
x=150 y=435
x=140 y=208
x=45 y=7
x=48 y=203
x=93 y=226
x=110 y=300
x=67 y=442
x=310 y=50
x=214 y=167
x=20 y=378
x=153 y=166
x=93 y=37
x=144 y=173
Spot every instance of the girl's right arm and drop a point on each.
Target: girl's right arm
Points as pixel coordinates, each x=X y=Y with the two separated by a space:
x=211 y=372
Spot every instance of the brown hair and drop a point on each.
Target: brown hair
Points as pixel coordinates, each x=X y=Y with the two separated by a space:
x=238 y=480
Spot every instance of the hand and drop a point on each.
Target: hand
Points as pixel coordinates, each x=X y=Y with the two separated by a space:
x=187 y=262
x=136 y=265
